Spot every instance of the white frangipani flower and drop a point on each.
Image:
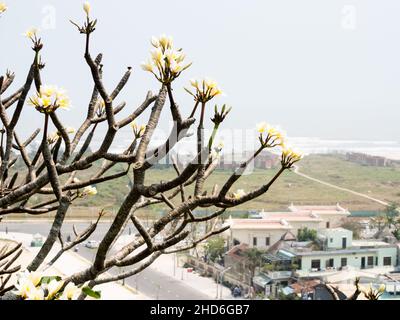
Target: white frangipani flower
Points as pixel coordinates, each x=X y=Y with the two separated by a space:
x=166 y=62
x=206 y=89
x=239 y=194
x=31 y=33
x=35 y=294
x=90 y=191
x=49 y=99
x=86 y=8
x=71 y=292
x=24 y=287
x=53 y=287
x=3 y=7
x=155 y=42
x=262 y=127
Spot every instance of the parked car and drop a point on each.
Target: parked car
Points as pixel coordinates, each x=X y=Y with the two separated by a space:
x=92 y=244
x=37 y=240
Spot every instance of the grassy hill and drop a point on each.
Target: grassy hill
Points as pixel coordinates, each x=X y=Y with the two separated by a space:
x=380 y=182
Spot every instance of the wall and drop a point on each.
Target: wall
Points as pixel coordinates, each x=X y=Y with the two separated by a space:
x=313 y=225
x=353 y=260
x=334 y=220
x=336 y=236
x=214 y=272
x=387 y=252
x=246 y=236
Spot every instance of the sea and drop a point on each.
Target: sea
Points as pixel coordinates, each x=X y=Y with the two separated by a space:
x=307 y=145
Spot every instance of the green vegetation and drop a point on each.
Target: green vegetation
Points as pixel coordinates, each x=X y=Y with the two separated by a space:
x=391 y=215
x=253 y=260
x=380 y=182
x=292 y=296
x=306 y=234
x=388 y=218
x=215 y=247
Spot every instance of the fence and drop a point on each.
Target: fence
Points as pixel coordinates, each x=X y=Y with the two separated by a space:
x=212 y=271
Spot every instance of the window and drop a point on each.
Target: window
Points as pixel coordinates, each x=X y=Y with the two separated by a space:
x=267 y=241
x=343 y=262
x=344 y=243
x=370 y=261
x=330 y=263
x=254 y=241
x=328 y=225
x=387 y=261
x=299 y=263
x=316 y=264
x=331 y=240
x=376 y=261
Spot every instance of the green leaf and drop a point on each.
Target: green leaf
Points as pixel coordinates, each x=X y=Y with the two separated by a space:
x=91 y=293
x=188 y=91
x=47 y=279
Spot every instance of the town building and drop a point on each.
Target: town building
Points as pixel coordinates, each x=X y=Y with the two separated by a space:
x=332 y=215
x=340 y=252
x=265 y=160
x=269 y=227
x=368 y=160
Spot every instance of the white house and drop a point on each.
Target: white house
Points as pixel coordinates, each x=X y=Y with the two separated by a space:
x=331 y=216
x=271 y=226
x=335 y=238
x=260 y=233
x=340 y=251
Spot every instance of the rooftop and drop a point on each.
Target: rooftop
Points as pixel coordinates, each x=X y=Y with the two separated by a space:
x=370 y=243
x=351 y=250
x=238 y=250
x=261 y=224
x=332 y=231
x=290 y=216
x=320 y=209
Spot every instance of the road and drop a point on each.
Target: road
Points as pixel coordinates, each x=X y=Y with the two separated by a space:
x=296 y=171
x=153 y=284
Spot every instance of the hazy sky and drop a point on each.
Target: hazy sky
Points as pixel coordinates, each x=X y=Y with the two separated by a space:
x=328 y=69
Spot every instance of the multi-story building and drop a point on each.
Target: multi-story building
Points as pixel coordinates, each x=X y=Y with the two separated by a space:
x=339 y=251
x=331 y=216
x=271 y=226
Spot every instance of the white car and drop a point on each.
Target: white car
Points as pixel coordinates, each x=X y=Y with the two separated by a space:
x=92 y=244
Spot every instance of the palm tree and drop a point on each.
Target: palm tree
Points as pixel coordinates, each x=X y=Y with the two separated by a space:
x=253 y=260
x=391 y=214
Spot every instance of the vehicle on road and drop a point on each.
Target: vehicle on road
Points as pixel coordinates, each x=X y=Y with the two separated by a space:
x=92 y=244
x=37 y=240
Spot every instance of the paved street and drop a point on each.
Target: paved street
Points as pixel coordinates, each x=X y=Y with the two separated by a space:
x=154 y=284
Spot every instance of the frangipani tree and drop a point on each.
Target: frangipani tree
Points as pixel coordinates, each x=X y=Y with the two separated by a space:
x=57 y=165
